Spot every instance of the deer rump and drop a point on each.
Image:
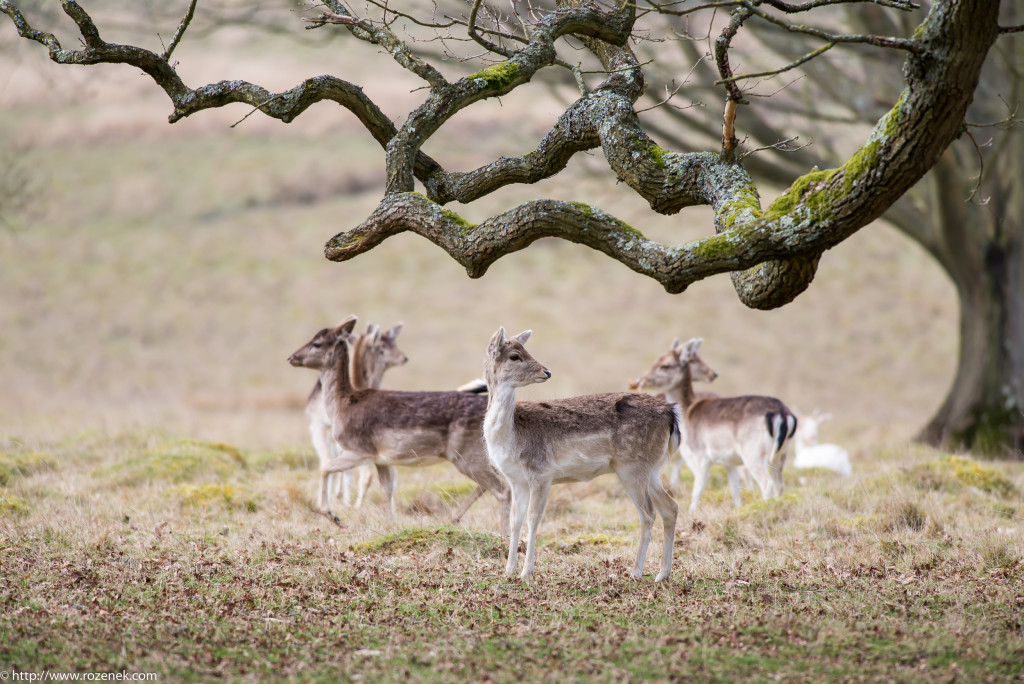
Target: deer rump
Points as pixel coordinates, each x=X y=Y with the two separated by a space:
x=595 y=434
x=402 y=428
x=719 y=424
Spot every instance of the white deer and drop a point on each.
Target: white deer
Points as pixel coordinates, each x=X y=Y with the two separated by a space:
x=808 y=453
x=750 y=431
x=388 y=428
x=537 y=444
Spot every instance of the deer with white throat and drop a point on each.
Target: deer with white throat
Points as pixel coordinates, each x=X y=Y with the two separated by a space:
x=537 y=444
x=750 y=431
x=373 y=352
x=388 y=428
x=667 y=372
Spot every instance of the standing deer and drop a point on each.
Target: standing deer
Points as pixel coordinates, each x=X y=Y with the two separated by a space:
x=372 y=354
x=749 y=431
x=537 y=444
x=389 y=428
x=667 y=372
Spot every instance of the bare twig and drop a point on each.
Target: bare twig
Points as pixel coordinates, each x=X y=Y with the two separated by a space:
x=176 y=38
x=781 y=146
x=910 y=45
x=774 y=72
x=981 y=170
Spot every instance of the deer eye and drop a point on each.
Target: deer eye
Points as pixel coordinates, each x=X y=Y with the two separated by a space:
x=666 y=366
x=513 y=357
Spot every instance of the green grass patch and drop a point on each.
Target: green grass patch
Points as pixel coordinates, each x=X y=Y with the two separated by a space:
x=205 y=496
x=11 y=505
x=291 y=459
x=950 y=473
x=178 y=461
x=580 y=543
x=23 y=463
x=472 y=542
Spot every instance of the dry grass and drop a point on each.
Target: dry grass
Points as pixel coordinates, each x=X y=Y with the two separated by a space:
x=884 y=575
x=156 y=487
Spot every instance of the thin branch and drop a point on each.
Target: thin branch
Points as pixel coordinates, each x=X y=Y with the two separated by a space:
x=480 y=40
x=1003 y=30
x=781 y=146
x=775 y=72
x=904 y=5
x=176 y=38
x=981 y=170
x=910 y=45
x=383 y=36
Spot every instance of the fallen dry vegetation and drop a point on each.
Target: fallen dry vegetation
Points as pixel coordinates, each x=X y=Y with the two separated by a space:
x=192 y=559
x=160 y=275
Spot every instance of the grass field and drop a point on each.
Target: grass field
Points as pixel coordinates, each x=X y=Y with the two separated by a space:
x=157 y=485
x=152 y=553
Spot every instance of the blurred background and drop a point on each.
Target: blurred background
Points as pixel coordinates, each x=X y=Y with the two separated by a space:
x=157 y=275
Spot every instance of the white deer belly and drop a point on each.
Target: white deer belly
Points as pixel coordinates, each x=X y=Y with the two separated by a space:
x=409 y=447
x=581 y=460
x=724 y=455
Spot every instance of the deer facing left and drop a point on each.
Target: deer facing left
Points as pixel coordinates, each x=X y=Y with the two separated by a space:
x=388 y=428
x=537 y=444
x=373 y=352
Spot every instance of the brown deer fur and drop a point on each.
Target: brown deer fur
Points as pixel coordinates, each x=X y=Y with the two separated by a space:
x=404 y=428
x=537 y=444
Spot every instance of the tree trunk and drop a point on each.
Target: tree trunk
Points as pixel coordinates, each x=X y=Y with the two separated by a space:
x=983 y=410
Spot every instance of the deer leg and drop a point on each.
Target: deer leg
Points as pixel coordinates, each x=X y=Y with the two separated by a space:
x=677 y=467
x=539 y=491
x=700 y=481
x=734 y=484
x=520 y=502
x=341 y=485
x=637 y=485
x=364 y=478
x=388 y=482
x=335 y=465
x=668 y=509
x=467 y=502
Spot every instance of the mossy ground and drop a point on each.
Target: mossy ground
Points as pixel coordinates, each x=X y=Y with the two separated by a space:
x=878 y=576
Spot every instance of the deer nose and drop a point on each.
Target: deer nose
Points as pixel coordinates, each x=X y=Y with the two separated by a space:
x=547 y=373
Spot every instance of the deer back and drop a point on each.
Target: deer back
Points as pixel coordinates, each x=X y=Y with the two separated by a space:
x=608 y=428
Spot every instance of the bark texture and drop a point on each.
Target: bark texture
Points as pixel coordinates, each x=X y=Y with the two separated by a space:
x=771 y=253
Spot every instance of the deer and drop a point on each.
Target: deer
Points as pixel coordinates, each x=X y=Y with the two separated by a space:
x=374 y=353
x=750 y=431
x=388 y=428
x=537 y=444
x=667 y=372
x=808 y=453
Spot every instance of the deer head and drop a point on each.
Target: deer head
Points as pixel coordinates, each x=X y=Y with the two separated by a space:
x=509 y=364
x=668 y=371
x=315 y=353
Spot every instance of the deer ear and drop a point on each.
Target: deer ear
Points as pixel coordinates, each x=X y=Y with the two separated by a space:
x=392 y=334
x=523 y=336
x=677 y=347
x=346 y=326
x=374 y=334
x=693 y=345
x=497 y=340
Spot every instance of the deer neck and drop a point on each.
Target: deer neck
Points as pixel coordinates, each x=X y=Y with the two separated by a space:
x=684 y=389
x=500 y=417
x=335 y=378
x=674 y=394
x=358 y=371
